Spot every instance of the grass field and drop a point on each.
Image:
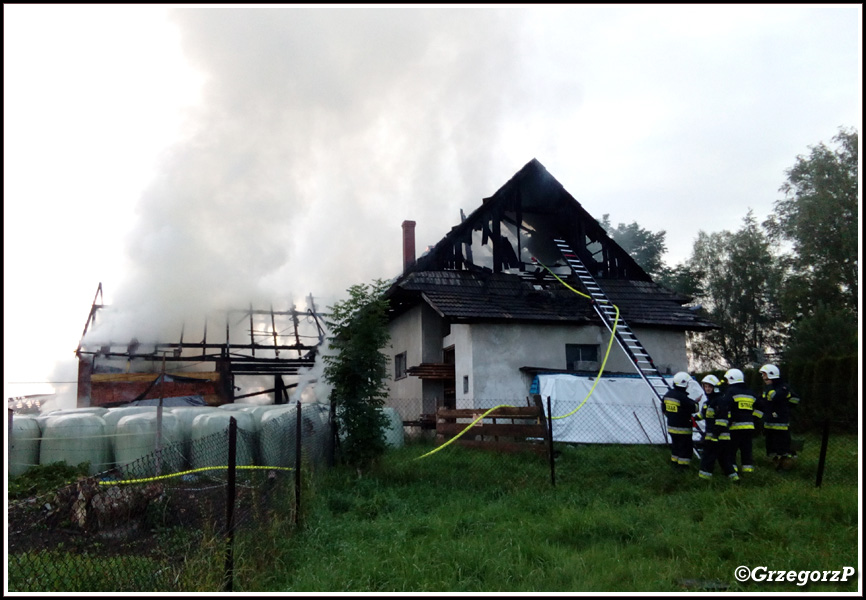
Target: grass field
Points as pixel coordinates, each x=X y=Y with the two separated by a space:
x=619 y=519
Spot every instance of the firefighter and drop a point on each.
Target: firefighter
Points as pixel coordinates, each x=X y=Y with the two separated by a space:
x=717 y=437
x=678 y=408
x=779 y=399
x=745 y=409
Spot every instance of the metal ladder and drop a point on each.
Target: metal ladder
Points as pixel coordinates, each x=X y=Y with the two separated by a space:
x=625 y=337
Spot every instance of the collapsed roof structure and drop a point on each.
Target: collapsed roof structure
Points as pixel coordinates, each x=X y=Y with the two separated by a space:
x=275 y=344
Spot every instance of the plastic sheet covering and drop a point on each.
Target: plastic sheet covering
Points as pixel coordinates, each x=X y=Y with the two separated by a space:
x=135 y=438
x=621 y=410
x=207 y=425
x=24 y=445
x=75 y=439
x=394 y=431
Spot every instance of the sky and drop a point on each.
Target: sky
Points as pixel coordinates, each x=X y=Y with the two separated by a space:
x=193 y=158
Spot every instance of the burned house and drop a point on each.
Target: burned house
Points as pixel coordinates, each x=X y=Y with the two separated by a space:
x=481 y=313
x=258 y=351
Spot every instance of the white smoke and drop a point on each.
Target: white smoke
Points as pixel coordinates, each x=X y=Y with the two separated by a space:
x=308 y=154
x=312 y=386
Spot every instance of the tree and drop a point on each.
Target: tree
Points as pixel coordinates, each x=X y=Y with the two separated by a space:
x=646 y=247
x=819 y=217
x=739 y=289
x=681 y=278
x=827 y=332
x=357 y=372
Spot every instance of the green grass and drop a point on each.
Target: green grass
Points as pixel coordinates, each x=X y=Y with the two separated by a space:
x=618 y=520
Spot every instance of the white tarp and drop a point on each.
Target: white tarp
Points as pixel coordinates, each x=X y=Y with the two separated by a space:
x=621 y=410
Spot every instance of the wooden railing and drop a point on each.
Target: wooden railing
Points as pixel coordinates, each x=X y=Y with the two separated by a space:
x=506 y=429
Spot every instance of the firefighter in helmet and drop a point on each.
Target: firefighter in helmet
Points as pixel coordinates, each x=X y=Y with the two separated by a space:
x=745 y=410
x=678 y=408
x=779 y=399
x=717 y=436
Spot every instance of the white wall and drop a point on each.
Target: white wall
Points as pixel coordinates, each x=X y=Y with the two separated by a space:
x=405 y=337
x=418 y=333
x=490 y=356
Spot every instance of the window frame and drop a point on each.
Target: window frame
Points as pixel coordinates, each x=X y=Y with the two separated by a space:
x=400 y=373
x=580 y=349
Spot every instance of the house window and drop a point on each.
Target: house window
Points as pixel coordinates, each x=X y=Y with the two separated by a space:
x=581 y=357
x=400 y=365
x=466 y=384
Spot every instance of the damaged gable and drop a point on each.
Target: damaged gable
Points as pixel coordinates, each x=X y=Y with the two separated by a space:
x=519 y=222
x=483 y=269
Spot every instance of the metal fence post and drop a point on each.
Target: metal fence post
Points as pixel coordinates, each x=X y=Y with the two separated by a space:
x=550 y=444
x=9 y=440
x=332 y=433
x=230 y=506
x=298 y=466
x=822 y=457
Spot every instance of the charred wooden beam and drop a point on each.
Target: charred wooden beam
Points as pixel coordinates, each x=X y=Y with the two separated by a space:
x=274 y=329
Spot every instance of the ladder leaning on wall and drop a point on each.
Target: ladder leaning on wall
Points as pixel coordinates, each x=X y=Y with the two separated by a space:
x=623 y=334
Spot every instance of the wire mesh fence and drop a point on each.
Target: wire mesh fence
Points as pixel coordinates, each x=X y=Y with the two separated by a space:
x=183 y=517
x=173 y=519
x=829 y=454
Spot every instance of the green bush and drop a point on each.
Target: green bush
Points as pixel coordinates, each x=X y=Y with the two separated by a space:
x=41 y=479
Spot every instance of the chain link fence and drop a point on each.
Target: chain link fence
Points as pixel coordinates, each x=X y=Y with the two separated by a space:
x=179 y=518
x=194 y=514
x=823 y=456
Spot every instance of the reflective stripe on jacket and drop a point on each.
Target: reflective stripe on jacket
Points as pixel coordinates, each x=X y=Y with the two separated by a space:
x=678 y=409
x=744 y=407
x=779 y=399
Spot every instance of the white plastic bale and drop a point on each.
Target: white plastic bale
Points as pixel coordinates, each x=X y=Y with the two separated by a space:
x=208 y=453
x=75 y=439
x=314 y=432
x=135 y=437
x=185 y=416
x=394 y=435
x=255 y=410
x=278 y=435
x=23 y=445
x=113 y=415
x=116 y=414
x=85 y=410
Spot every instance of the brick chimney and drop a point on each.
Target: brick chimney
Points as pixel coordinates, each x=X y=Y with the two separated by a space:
x=408 y=244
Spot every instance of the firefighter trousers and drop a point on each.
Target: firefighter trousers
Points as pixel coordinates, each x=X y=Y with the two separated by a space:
x=741 y=443
x=681 y=449
x=717 y=451
x=778 y=442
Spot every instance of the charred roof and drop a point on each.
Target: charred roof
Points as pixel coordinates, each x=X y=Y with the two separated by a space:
x=485 y=270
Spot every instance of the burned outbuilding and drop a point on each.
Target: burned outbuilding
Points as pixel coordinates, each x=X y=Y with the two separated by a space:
x=259 y=349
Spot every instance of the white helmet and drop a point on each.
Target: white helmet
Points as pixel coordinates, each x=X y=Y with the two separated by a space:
x=711 y=379
x=772 y=371
x=734 y=376
x=682 y=379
